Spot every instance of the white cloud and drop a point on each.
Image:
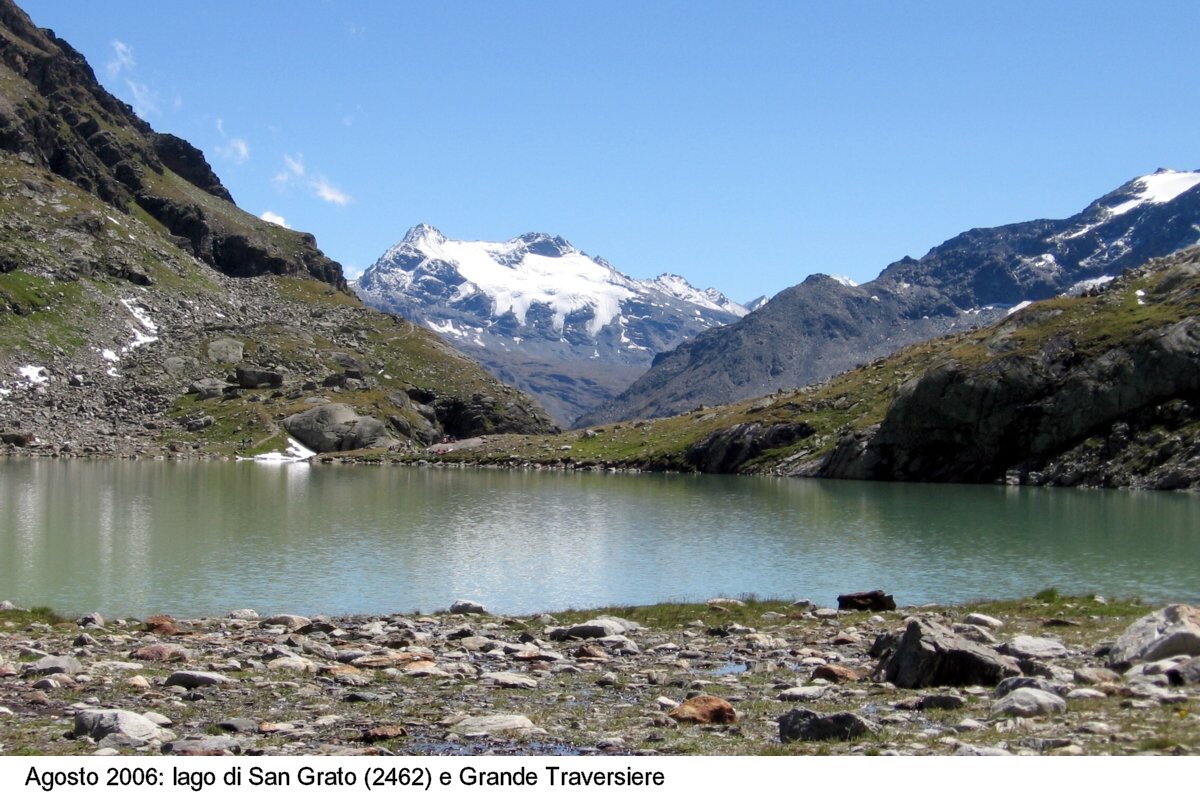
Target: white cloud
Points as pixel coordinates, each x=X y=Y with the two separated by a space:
x=122 y=58
x=295 y=165
x=274 y=218
x=351 y=272
x=235 y=149
x=329 y=193
x=145 y=100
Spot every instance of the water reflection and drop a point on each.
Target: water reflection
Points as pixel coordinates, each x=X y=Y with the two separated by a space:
x=131 y=538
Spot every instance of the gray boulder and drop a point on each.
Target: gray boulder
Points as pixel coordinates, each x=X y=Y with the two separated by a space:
x=337 y=427
x=928 y=654
x=206 y=388
x=1029 y=702
x=464 y=606
x=596 y=628
x=119 y=727
x=1029 y=646
x=1174 y=630
x=54 y=664
x=803 y=725
x=225 y=351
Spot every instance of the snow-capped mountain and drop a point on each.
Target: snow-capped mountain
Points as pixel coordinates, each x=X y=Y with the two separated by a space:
x=538 y=312
x=827 y=325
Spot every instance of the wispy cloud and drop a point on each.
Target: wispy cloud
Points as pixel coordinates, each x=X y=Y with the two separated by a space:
x=274 y=218
x=235 y=149
x=145 y=100
x=122 y=59
x=295 y=165
x=295 y=171
x=329 y=193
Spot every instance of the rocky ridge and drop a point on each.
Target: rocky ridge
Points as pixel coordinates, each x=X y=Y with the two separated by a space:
x=1045 y=676
x=823 y=326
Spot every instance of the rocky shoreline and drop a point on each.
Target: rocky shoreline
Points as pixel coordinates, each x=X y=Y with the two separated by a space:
x=1046 y=675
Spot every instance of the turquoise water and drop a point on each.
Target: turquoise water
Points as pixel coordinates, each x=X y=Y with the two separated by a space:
x=135 y=538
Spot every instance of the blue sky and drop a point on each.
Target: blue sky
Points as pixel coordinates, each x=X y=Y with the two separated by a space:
x=744 y=146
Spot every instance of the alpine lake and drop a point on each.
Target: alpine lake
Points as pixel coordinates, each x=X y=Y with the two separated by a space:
x=134 y=538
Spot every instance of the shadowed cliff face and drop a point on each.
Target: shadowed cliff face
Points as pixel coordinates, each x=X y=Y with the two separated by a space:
x=55 y=115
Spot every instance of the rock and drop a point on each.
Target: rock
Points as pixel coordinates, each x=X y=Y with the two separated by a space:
x=125 y=727
x=225 y=351
x=803 y=693
x=1186 y=674
x=981 y=620
x=291 y=622
x=835 y=673
x=972 y=750
x=875 y=601
x=803 y=725
x=928 y=655
x=161 y=653
x=704 y=709
x=205 y=746
x=466 y=606
x=724 y=602
x=293 y=664
x=55 y=664
x=945 y=702
x=258 y=377
x=974 y=632
x=596 y=628
x=207 y=388
x=383 y=733
x=1028 y=646
x=1011 y=684
x=1029 y=702
x=1094 y=675
x=1174 y=630
x=508 y=680
x=196 y=679
x=1086 y=694
x=239 y=725
x=244 y=615
x=337 y=427
x=496 y=725
x=90 y=620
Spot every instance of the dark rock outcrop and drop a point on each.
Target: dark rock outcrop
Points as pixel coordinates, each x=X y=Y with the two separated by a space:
x=803 y=725
x=874 y=601
x=929 y=655
x=727 y=450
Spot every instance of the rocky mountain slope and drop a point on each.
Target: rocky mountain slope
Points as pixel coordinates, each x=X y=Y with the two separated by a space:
x=142 y=312
x=564 y=326
x=1100 y=388
x=822 y=326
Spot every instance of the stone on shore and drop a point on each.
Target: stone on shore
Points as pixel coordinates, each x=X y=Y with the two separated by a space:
x=119 y=727
x=1174 y=630
x=196 y=679
x=466 y=606
x=596 y=628
x=1029 y=702
x=929 y=655
x=496 y=725
x=287 y=620
x=1029 y=646
x=803 y=725
x=55 y=664
x=874 y=601
x=704 y=710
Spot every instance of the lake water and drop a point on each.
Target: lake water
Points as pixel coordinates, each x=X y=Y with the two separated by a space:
x=137 y=538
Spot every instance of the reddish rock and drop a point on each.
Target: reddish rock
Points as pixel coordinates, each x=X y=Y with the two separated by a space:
x=382 y=733
x=835 y=673
x=704 y=710
x=161 y=625
x=160 y=653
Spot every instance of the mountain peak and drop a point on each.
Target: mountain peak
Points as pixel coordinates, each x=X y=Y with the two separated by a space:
x=423 y=232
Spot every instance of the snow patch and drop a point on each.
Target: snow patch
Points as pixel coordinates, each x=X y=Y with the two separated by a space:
x=1084 y=286
x=1141 y=296
x=1158 y=188
x=1020 y=306
x=33 y=375
x=846 y=281
x=296 y=452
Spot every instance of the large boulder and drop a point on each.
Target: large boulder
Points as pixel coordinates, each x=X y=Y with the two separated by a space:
x=120 y=727
x=258 y=377
x=803 y=725
x=337 y=427
x=704 y=709
x=1029 y=702
x=928 y=654
x=1174 y=630
x=225 y=351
